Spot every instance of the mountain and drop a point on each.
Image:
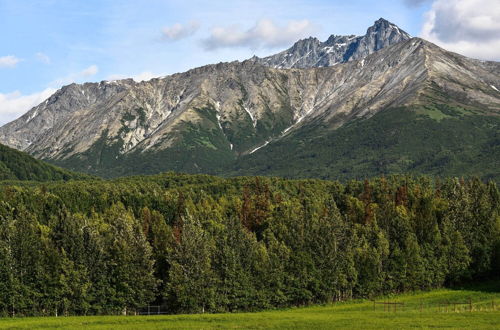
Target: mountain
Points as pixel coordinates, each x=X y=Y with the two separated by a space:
x=16 y=165
x=444 y=122
x=311 y=52
x=408 y=107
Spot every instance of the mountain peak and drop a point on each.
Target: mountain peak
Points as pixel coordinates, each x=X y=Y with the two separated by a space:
x=305 y=41
x=382 y=21
x=383 y=24
x=311 y=52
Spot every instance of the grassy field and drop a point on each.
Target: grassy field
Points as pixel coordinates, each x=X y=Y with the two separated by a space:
x=435 y=309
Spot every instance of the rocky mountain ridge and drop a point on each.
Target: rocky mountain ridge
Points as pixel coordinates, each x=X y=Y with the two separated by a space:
x=311 y=52
x=207 y=117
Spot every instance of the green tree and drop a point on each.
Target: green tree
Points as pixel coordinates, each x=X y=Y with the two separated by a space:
x=191 y=281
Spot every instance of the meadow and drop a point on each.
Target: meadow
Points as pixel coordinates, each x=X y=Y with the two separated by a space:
x=441 y=308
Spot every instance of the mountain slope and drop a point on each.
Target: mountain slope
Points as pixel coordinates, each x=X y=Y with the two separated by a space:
x=213 y=117
x=16 y=165
x=311 y=52
x=448 y=123
x=439 y=140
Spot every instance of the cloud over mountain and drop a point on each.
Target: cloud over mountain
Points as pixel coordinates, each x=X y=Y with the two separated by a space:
x=469 y=27
x=180 y=31
x=9 y=61
x=264 y=34
x=42 y=57
x=13 y=105
x=86 y=73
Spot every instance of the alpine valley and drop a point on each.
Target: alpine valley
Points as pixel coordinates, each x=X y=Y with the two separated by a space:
x=349 y=107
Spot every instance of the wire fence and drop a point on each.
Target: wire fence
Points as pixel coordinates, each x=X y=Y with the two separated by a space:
x=388 y=306
x=152 y=310
x=446 y=306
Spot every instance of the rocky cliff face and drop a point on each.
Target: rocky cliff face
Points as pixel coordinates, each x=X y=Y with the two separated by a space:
x=57 y=109
x=311 y=52
x=208 y=117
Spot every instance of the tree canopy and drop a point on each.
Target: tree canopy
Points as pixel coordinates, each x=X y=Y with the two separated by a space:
x=195 y=243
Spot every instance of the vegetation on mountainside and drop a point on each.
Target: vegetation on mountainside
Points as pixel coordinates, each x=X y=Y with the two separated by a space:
x=16 y=165
x=439 y=140
x=201 y=243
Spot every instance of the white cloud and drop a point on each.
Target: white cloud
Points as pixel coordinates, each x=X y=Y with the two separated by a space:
x=179 y=31
x=116 y=77
x=13 y=105
x=44 y=58
x=90 y=71
x=468 y=27
x=146 y=75
x=143 y=76
x=74 y=77
x=9 y=61
x=264 y=34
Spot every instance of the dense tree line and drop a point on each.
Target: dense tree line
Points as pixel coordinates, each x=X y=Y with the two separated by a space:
x=201 y=243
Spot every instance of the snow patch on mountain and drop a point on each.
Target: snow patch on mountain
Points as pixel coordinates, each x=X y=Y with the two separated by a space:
x=259 y=147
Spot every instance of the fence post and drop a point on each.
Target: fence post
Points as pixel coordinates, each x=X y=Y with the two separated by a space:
x=149 y=310
x=470 y=304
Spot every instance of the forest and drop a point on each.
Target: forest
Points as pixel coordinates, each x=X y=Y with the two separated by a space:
x=198 y=243
x=17 y=165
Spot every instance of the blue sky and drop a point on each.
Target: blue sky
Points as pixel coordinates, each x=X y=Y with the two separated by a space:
x=49 y=43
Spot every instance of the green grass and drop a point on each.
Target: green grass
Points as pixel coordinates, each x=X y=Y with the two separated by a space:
x=421 y=310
